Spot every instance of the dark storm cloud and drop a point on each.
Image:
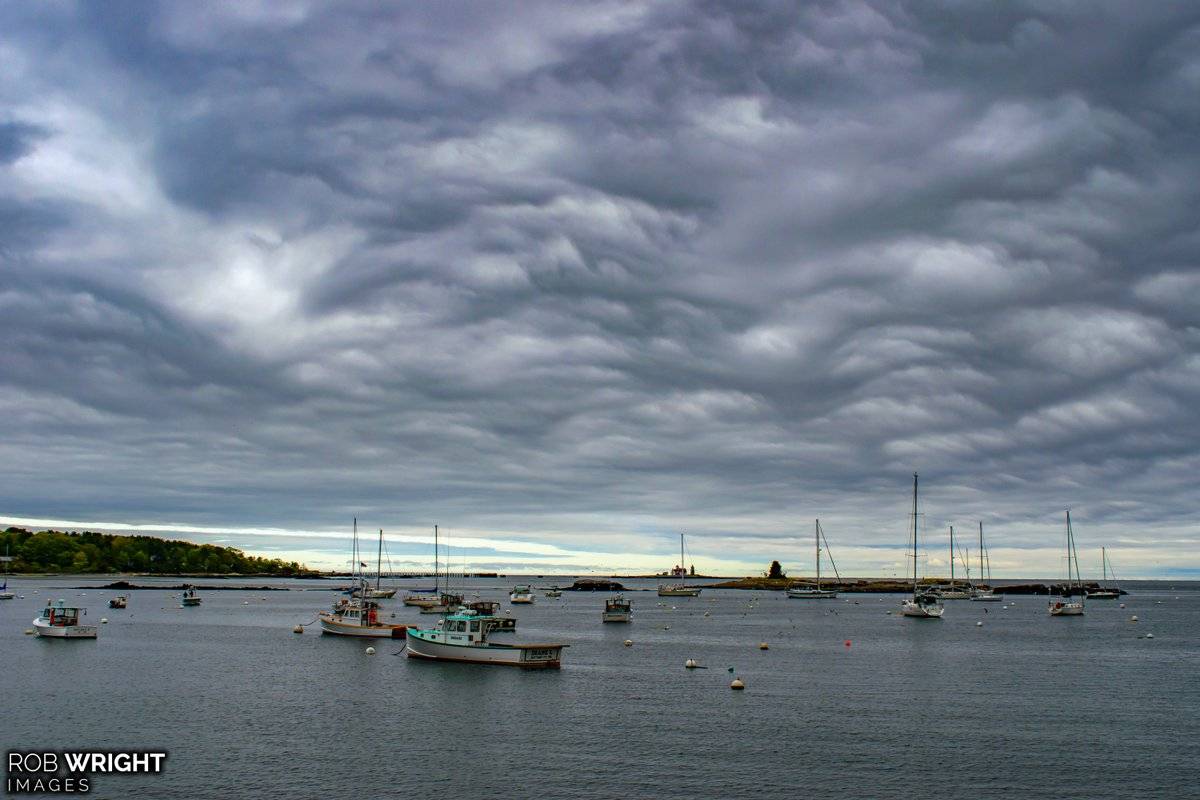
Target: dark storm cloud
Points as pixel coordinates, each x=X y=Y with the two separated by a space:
x=588 y=275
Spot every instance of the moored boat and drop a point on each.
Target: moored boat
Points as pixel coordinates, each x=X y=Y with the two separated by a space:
x=358 y=616
x=922 y=604
x=816 y=592
x=120 y=601
x=1105 y=592
x=60 y=621
x=522 y=593
x=463 y=637
x=617 y=609
x=679 y=589
x=1065 y=606
x=985 y=593
x=555 y=592
x=5 y=594
x=190 y=598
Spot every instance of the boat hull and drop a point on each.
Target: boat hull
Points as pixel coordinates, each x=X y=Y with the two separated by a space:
x=921 y=611
x=191 y=601
x=41 y=628
x=812 y=594
x=520 y=600
x=987 y=598
x=669 y=592
x=1066 y=609
x=547 y=656
x=616 y=616
x=1103 y=594
x=420 y=602
x=330 y=624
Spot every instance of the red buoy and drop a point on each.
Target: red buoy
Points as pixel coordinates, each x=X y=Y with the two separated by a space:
x=847 y=643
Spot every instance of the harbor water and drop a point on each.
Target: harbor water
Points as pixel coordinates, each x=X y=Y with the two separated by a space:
x=847 y=700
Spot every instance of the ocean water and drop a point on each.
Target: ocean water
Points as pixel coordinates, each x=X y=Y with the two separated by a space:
x=1024 y=705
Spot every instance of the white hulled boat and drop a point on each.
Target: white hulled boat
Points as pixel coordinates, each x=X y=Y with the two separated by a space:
x=555 y=592
x=358 y=616
x=816 y=592
x=979 y=594
x=679 y=589
x=5 y=594
x=120 y=601
x=189 y=597
x=1105 y=592
x=1065 y=606
x=922 y=604
x=617 y=609
x=463 y=637
x=427 y=598
x=60 y=621
x=522 y=593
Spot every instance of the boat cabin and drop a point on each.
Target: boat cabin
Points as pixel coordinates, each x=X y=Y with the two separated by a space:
x=617 y=604
x=463 y=628
x=58 y=614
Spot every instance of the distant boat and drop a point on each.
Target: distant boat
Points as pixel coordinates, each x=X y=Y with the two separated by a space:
x=60 y=621
x=978 y=593
x=190 y=598
x=952 y=591
x=1105 y=592
x=358 y=616
x=922 y=604
x=5 y=594
x=555 y=592
x=617 y=609
x=427 y=598
x=120 y=601
x=378 y=592
x=463 y=637
x=816 y=593
x=1067 y=607
x=679 y=589
x=522 y=593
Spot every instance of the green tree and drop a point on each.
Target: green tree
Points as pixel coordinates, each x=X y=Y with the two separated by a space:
x=776 y=571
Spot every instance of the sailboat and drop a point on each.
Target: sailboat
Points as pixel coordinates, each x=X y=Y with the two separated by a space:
x=1066 y=607
x=953 y=591
x=679 y=589
x=922 y=605
x=358 y=614
x=978 y=593
x=427 y=598
x=378 y=592
x=816 y=593
x=1105 y=592
x=5 y=594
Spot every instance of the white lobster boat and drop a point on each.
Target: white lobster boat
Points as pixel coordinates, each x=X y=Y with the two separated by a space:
x=617 y=609
x=463 y=637
x=60 y=621
x=522 y=594
x=190 y=598
x=358 y=617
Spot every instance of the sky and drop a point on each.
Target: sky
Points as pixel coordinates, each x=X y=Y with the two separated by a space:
x=570 y=279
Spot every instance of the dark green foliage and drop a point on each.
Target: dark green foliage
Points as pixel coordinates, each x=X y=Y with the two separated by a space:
x=776 y=570
x=54 y=551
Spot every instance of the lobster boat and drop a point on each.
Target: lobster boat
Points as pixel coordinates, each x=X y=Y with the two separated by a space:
x=463 y=637
x=60 y=621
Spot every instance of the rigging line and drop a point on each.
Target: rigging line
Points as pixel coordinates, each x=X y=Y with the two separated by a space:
x=829 y=553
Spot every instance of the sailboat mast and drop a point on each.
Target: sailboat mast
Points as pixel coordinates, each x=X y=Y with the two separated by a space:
x=354 y=553
x=379 y=560
x=682 y=566
x=1104 y=566
x=915 y=534
x=436 y=574
x=817 y=541
x=981 y=576
x=951 y=556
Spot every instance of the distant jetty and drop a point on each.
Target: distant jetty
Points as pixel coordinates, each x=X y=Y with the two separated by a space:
x=889 y=586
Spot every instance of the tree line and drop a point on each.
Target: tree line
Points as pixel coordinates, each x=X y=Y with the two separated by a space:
x=87 y=552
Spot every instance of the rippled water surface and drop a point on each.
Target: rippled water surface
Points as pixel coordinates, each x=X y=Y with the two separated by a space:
x=1061 y=707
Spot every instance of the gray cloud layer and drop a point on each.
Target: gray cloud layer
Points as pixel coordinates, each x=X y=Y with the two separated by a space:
x=590 y=274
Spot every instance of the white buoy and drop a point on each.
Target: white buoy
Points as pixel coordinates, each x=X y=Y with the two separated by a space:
x=104 y=620
x=979 y=624
x=245 y=602
x=370 y=651
x=737 y=684
x=29 y=631
x=707 y=614
x=1149 y=635
x=298 y=629
x=1133 y=618
x=764 y=646
x=690 y=664
x=628 y=642
x=1122 y=605
x=666 y=627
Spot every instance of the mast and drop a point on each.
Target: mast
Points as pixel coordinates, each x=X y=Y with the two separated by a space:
x=981 y=575
x=354 y=553
x=682 y=566
x=379 y=560
x=817 y=538
x=915 y=535
x=436 y=575
x=1104 y=566
x=951 y=556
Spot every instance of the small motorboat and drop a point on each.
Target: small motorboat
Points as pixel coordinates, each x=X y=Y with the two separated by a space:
x=120 y=601
x=190 y=598
x=445 y=604
x=555 y=592
x=463 y=637
x=60 y=621
x=521 y=594
x=617 y=609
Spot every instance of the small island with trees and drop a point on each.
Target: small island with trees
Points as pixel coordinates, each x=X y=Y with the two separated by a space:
x=86 y=553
